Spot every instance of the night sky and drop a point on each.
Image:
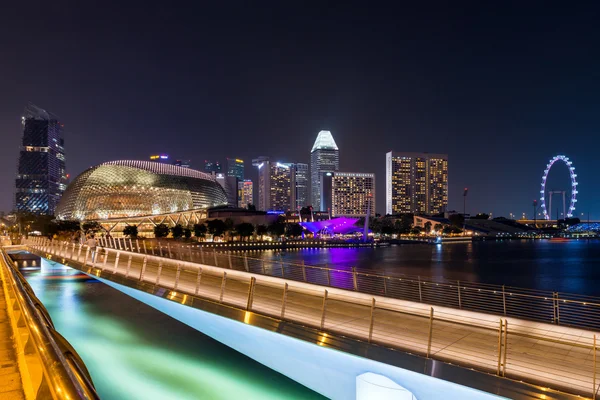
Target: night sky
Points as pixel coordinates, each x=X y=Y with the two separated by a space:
x=501 y=89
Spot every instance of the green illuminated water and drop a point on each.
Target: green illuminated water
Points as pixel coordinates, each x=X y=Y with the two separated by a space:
x=136 y=352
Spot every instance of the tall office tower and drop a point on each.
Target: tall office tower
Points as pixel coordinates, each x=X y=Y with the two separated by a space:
x=160 y=158
x=245 y=193
x=299 y=186
x=274 y=185
x=41 y=177
x=416 y=183
x=212 y=166
x=235 y=167
x=182 y=163
x=324 y=157
x=353 y=194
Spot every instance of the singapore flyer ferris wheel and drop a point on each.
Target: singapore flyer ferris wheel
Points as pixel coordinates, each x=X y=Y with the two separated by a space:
x=543 y=192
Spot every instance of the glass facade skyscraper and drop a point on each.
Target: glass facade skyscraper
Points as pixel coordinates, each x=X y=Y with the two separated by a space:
x=299 y=185
x=324 y=157
x=274 y=184
x=235 y=167
x=416 y=183
x=41 y=176
x=212 y=166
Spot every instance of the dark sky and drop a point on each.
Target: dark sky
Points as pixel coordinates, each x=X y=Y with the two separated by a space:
x=501 y=88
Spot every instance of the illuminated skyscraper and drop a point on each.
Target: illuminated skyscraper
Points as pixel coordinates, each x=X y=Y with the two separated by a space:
x=274 y=185
x=212 y=166
x=416 y=183
x=353 y=194
x=41 y=177
x=324 y=157
x=245 y=193
x=235 y=167
x=299 y=186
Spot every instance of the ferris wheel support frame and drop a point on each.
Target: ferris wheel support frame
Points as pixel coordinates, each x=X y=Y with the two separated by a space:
x=574 y=184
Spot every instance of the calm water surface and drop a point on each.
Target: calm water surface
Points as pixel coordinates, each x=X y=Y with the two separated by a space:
x=136 y=352
x=570 y=266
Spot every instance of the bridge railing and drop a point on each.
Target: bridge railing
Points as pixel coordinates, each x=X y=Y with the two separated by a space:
x=537 y=305
x=557 y=357
x=49 y=366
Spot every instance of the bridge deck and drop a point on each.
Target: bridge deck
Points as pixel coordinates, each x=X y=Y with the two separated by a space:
x=552 y=356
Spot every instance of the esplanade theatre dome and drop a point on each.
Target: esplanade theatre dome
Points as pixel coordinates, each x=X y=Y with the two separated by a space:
x=129 y=188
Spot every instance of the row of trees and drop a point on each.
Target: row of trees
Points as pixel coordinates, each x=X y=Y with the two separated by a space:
x=404 y=225
x=222 y=228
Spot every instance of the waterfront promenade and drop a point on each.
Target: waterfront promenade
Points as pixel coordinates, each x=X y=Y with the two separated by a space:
x=550 y=355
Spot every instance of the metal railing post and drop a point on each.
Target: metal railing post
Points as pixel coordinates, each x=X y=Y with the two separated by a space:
x=284 y=300
x=145 y=249
x=79 y=252
x=128 y=266
x=458 y=291
x=324 y=309
x=282 y=269
x=385 y=279
x=159 y=247
x=119 y=243
x=372 y=319
x=105 y=257
x=201 y=254
x=87 y=253
x=430 y=331
x=246 y=263
x=328 y=277
x=420 y=295
x=229 y=257
x=177 y=274
x=198 y=279
x=223 y=282
x=215 y=257
x=354 y=280
x=250 y=294
x=160 y=264
x=191 y=258
x=137 y=245
x=594 y=374
x=116 y=262
x=303 y=271
x=504 y=300
x=144 y=263
x=131 y=244
x=505 y=347
x=169 y=248
x=499 y=348
x=557 y=309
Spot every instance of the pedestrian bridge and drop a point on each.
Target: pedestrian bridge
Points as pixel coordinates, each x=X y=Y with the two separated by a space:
x=347 y=334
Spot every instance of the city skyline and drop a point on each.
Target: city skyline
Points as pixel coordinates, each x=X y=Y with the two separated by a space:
x=500 y=102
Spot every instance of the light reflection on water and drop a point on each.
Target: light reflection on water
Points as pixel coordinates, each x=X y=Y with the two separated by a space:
x=569 y=266
x=135 y=352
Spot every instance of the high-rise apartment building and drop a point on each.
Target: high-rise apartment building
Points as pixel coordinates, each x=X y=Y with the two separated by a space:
x=416 y=183
x=212 y=166
x=235 y=167
x=274 y=185
x=299 y=186
x=41 y=176
x=324 y=157
x=245 y=193
x=353 y=194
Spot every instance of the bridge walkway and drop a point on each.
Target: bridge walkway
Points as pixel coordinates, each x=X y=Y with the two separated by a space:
x=11 y=386
x=556 y=357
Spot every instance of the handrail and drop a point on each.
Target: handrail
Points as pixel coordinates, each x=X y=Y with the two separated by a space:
x=61 y=380
x=537 y=305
